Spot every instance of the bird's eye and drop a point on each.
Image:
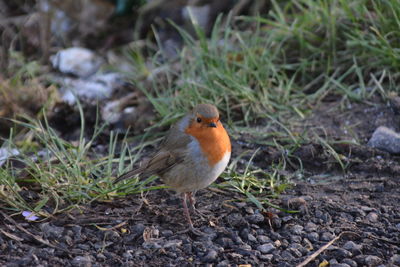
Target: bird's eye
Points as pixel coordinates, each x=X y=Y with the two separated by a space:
x=198 y=120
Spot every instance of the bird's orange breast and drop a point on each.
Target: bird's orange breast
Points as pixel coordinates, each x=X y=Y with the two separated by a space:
x=214 y=142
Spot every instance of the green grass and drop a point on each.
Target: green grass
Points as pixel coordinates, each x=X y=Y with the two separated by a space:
x=264 y=79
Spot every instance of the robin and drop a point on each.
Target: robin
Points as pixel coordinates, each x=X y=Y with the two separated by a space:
x=194 y=153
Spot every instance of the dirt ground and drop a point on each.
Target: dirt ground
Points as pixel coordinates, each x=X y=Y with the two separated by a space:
x=358 y=210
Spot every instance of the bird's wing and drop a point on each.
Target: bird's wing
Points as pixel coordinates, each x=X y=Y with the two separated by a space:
x=173 y=151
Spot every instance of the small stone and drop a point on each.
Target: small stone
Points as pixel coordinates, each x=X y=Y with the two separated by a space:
x=263 y=239
x=266 y=248
x=82 y=261
x=266 y=257
x=224 y=263
x=244 y=233
x=287 y=255
x=249 y=210
x=295 y=252
x=275 y=236
x=339 y=265
x=371 y=260
x=295 y=238
x=310 y=227
x=324 y=216
x=101 y=257
x=137 y=229
x=225 y=242
x=277 y=243
x=68 y=240
x=297 y=229
x=211 y=256
x=353 y=247
x=167 y=233
x=51 y=230
x=276 y=222
x=326 y=236
x=333 y=261
x=372 y=217
x=287 y=219
x=395 y=259
x=350 y=262
x=251 y=238
x=385 y=139
x=255 y=218
x=235 y=220
x=127 y=255
x=343 y=253
x=313 y=237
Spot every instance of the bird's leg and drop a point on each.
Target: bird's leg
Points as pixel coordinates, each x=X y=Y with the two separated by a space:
x=186 y=210
x=192 y=202
x=187 y=215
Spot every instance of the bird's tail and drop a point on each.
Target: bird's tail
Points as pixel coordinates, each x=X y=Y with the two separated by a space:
x=128 y=175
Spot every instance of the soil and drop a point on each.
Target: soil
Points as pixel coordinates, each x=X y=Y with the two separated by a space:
x=357 y=209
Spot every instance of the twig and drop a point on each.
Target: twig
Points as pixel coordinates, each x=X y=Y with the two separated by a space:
x=11 y=236
x=321 y=249
x=37 y=238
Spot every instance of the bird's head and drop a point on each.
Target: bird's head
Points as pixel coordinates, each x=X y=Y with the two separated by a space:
x=205 y=117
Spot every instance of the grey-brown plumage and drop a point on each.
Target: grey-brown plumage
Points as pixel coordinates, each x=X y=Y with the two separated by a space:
x=194 y=153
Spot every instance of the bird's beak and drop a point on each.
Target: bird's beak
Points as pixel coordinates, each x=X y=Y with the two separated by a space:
x=213 y=125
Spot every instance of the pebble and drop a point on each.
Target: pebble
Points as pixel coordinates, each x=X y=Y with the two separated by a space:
x=266 y=248
x=343 y=253
x=395 y=259
x=310 y=227
x=211 y=256
x=138 y=229
x=225 y=242
x=236 y=220
x=371 y=260
x=251 y=238
x=372 y=217
x=350 y=262
x=244 y=233
x=263 y=239
x=82 y=261
x=296 y=229
x=224 y=263
x=326 y=236
x=295 y=252
x=276 y=222
x=249 y=210
x=101 y=257
x=353 y=247
x=267 y=257
x=167 y=233
x=127 y=255
x=324 y=216
x=313 y=237
x=287 y=255
x=295 y=238
x=275 y=236
x=51 y=230
x=277 y=243
x=255 y=218
x=385 y=139
x=339 y=265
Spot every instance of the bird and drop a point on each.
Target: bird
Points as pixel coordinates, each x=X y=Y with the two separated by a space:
x=193 y=154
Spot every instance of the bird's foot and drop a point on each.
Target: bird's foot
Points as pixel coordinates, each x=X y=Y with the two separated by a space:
x=193 y=230
x=205 y=215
